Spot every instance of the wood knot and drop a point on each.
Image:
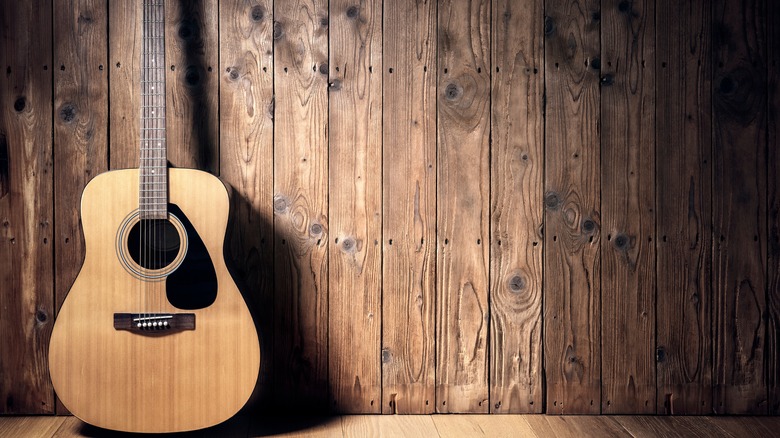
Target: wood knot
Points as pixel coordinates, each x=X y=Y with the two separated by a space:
x=192 y=76
x=596 y=16
x=549 y=26
x=315 y=229
x=621 y=242
x=349 y=245
x=552 y=201
x=278 y=30
x=280 y=204
x=607 y=80
x=187 y=30
x=660 y=354
x=68 y=113
x=727 y=85
x=516 y=283
x=232 y=73
x=353 y=12
x=257 y=13
x=453 y=91
x=19 y=104
x=335 y=85
x=624 y=6
x=324 y=21
x=386 y=356
x=41 y=316
x=324 y=68
x=588 y=226
x=595 y=63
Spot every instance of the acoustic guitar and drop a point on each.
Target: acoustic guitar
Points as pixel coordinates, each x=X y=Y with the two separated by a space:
x=154 y=335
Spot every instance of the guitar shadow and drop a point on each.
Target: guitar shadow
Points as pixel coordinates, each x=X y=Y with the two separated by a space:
x=285 y=386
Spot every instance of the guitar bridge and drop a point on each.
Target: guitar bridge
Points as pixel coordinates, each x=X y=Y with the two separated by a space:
x=154 y=323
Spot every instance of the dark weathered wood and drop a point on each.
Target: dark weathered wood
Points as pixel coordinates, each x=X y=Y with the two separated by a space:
x=739 y=206
x=355 y=199
x=773 y=207
x=572 y=231
x=80 y=126
x=409 y=207
x=463 y=192
x=192 y=83
x=683 y=237
x=124 y=49
x=246 y=159
x=627 y=206
x=26 y=207
x=191 y=89
x=301 y=203
x=516 y=207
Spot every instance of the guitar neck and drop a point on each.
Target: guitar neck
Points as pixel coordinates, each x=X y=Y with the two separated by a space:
x=153 y=196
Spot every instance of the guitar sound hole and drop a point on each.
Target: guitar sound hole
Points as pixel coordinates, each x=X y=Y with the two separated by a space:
x=153 y=243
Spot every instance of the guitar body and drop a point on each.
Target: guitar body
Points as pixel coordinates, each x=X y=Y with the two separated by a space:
x=161 y=379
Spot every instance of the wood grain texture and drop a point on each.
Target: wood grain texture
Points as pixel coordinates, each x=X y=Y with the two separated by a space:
x=192 y=83
x=359 y=426
x=246 y=157
x=301 y=203
x=627 y=206
x=124 y=49
x=31 y=426
x=191 y=89
x=26 y=210
x=483 y=425
x=739 y=206
x=516 y=207
x=683 y=236
x=80 y=126
x=463 y=194
x=355 y=200
x=204 y=375
x=773 y=206
x=409 y=207
x=572 y=230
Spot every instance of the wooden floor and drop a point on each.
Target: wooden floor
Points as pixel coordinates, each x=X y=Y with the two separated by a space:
x=432 y=426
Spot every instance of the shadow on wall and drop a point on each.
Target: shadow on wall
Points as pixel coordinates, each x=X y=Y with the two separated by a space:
x=249 y=248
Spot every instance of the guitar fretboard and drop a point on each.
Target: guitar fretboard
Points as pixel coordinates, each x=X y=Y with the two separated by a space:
x=153 y=196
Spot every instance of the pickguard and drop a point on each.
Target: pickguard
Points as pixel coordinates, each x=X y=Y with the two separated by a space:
x=193 y=285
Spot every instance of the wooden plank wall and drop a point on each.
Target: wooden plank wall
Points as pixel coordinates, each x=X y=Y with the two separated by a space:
x=504 y=206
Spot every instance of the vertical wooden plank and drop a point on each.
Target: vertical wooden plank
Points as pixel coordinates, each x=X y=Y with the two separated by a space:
x=192 y=84
x=26 y=212
x=191 y=89
x=463 y=184
x=409 y=207
x=355 y=182
x=739 y=205
x=124 y=51
x=572 y=299
x=246 y=157
x=773 y=171
x=301 y=203
x=627 y=206
x=683 y=206
x=516 y=207
x=80 y=126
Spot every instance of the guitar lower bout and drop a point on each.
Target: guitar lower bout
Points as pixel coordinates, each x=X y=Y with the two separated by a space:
x=154 y=335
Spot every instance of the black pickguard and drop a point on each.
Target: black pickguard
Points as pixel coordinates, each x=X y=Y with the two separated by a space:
x=194 y=284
